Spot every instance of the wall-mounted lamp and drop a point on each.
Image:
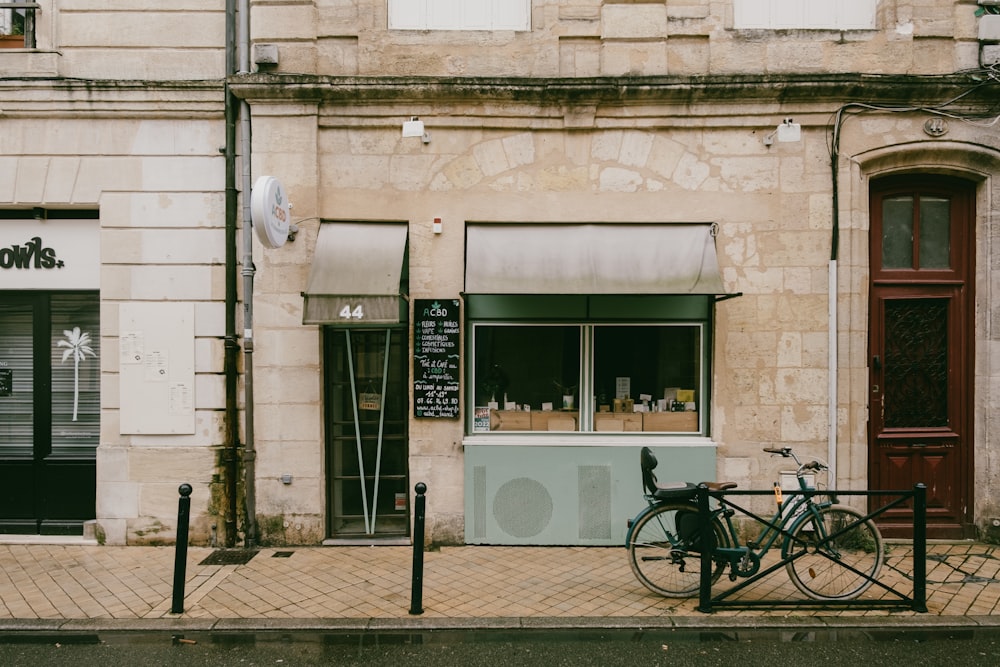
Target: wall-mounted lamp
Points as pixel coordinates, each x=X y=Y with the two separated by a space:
x=415 y=128
x=786 y=131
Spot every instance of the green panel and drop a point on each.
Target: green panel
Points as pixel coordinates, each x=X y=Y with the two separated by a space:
x=508 y=306
x=630 y=307
x=547 y=495
x=644 y=307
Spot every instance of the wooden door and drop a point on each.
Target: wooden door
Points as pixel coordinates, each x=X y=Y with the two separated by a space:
x=921 y=349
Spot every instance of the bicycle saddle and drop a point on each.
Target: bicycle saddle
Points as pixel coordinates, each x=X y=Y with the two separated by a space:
x=671 y=490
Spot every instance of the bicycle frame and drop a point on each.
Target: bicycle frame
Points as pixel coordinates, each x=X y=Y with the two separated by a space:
x=744 y=560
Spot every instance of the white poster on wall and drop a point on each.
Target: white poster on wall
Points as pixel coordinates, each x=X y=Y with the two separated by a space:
x=157 y=368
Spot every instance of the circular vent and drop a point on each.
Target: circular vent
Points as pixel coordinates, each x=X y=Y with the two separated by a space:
x=522 y=507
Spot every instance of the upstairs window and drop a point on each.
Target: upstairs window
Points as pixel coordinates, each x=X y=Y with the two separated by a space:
x=804 y=14
x=17 y=24
x=459 y=14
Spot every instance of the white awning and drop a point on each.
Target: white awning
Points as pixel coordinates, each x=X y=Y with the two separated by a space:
x=355 y=274
x=676 y=258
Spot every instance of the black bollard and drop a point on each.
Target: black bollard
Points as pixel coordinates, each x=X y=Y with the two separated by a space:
x=417 y=592
x=180 y=555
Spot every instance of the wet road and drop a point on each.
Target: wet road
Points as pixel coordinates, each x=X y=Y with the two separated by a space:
x=746 y=648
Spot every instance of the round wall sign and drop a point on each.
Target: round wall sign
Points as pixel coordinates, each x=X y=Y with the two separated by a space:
x=270 y=212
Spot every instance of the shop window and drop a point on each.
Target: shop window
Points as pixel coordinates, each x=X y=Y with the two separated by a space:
x=804 y=14
x=459 y=14
x=17 y=24
x=589 y=377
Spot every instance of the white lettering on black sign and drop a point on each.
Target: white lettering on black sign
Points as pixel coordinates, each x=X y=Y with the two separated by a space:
x=436 y=338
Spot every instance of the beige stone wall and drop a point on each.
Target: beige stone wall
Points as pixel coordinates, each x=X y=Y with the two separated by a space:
x=157 y=179
x=645 y=162
x=126 y=40
x=587 y=38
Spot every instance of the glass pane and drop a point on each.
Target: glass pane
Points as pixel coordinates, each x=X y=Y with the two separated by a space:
x=527 y=378
x=76 y=373
x=366 y=428
x=17 y=384
x=647 y=378
x=897 y=233
x=916 y=363
x=935 y=233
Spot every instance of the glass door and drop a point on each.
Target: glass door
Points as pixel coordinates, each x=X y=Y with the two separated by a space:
x=366 y=432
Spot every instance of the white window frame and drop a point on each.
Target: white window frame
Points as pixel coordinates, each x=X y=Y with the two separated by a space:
x=459 y=14
x=804 y=14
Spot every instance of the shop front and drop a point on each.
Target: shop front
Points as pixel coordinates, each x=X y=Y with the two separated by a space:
x=585 y=343
x=50 y=366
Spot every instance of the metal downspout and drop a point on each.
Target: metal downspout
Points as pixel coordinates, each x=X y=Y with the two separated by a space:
x=832 y=298
x=231 y=344
x=249 y=453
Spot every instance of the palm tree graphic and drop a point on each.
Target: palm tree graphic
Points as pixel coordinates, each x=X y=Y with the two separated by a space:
x=77 y=343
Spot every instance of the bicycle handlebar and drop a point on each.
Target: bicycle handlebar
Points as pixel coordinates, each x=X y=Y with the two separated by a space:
x=783 y=451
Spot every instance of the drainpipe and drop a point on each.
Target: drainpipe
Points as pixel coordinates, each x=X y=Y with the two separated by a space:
x=249 y=453
x=231 y=343
x=832 y=305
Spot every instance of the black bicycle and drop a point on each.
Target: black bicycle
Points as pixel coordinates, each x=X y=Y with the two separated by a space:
x=832 y=551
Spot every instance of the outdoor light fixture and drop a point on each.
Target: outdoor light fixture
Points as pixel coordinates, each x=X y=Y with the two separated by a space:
x=415 y=128
x=786 y=131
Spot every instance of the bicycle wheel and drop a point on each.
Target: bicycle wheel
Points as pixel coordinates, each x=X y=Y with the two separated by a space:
x=664 y=550
x=841 y=554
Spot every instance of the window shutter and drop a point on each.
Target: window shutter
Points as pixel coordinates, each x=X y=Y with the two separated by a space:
x=857 y=14
x=512 y=15
x=448 y=14
x=407 y=14
x=751 y=14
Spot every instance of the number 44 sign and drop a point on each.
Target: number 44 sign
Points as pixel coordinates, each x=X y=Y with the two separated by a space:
x=355 y=313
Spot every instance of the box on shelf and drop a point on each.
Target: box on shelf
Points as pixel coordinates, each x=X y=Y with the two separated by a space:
x=618 y=421
x=669 y=421
x=510 y=420
x=549 y=420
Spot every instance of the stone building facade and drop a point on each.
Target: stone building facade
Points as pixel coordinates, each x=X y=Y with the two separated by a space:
x=703 y=226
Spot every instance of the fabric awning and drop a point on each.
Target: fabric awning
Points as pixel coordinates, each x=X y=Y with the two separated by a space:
x=676 y=258
x=355 y=274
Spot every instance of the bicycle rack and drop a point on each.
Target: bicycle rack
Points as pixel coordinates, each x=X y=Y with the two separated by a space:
x=916 y=601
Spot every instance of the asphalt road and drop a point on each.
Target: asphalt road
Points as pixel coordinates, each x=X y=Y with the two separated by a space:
x=745 y=648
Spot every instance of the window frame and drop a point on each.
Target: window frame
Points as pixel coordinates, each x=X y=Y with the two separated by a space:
x=686 y=315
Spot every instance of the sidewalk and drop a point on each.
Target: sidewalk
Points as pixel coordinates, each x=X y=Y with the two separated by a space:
x=73 y=587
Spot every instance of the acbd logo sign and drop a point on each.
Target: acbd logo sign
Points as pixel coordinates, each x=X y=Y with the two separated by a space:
x=29 y=255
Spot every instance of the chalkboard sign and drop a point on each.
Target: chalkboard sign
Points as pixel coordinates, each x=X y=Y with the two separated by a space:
x=6 y=381
x=436 y=336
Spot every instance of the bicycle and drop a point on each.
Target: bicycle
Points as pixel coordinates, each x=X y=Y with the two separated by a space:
x=831 y=551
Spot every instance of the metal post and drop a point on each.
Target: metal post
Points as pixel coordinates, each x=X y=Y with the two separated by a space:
x=180 y=554
x=706 y=539
x=920 y=548
x=417 y=592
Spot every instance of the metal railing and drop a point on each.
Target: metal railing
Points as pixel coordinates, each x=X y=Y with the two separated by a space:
x=915 y=600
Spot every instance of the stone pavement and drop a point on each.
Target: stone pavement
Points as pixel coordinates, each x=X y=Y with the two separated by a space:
x=73 y=586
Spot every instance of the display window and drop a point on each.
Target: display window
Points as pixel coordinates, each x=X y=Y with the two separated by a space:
x=588 y=377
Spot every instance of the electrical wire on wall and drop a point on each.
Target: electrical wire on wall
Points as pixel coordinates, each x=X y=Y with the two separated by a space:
x=986 y=118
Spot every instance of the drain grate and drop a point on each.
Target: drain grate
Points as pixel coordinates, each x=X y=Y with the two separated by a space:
x=229 y=557
x=282 y=554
